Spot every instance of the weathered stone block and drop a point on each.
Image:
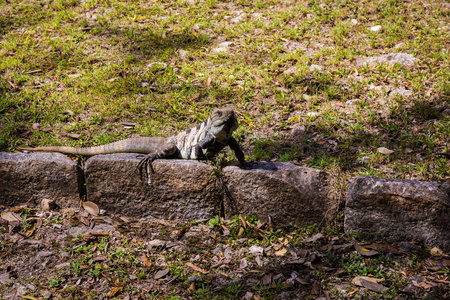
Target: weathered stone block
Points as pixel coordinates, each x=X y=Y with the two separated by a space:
x=180 y=189
x=284 y=191
x=35 y=176
x=399 y=210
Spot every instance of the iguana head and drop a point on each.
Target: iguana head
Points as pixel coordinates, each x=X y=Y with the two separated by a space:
x=223 y=123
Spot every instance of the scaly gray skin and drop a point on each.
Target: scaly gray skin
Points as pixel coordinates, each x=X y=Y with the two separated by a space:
x=200 y=142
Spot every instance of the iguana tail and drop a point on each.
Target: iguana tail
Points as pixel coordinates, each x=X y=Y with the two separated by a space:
x=133 y=145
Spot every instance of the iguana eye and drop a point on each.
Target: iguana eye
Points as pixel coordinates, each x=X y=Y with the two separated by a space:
x=219 y=113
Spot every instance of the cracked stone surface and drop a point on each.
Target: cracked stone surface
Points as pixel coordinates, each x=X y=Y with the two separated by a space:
x=399 y=210
x=36 y=176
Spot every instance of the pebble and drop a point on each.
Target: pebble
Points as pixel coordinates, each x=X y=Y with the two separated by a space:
x=243 y=263
x=217 y=250
x=375 y=28
x=400 y=91
x=220 y=50
x=256 y=250
x=400 y=45
x=228 y=253
x=317 y=68
x=195 y=278
x=291 y=70
x=182 y=53
x=46 y=294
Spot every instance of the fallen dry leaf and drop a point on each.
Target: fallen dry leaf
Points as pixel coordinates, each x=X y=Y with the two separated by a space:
x=384 y=150
x=48 y=204
x=302 y=252
x=182 y=231
x=13 y=225
x=74 y=136
x=114 y=291
x=222 y=262
x=91 y=208
x=296 y=261
x=301 y=281
x=314 y=238
x=82 y=219
x=357 y=280
x=18 y=209
x=100 y=233
x=315 y=288
x=426 y=285
x=30 y=232
x=364 y=251
x=241 y=231
x=146 y=261
x=267 y=279
x=162 y=273
x=243 y=222
x=283 y=241
x=191 y=287
x=88 y=237
x=195 y=268
x=383 y=248
x=435 y=251
x=10 y=216
x=281 y=252
x=441 y=280
x=373 y=286
x=99 y=258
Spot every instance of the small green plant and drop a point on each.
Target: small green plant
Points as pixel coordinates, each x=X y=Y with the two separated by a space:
x=263 y=149
x=252 y=220
x=232 y=289
x=95 y=271
x=178 y=270
x=25 y=223
x=290 y=154
x=214 y=223
x=76 y=267
x=57 y=219
x=55 y=282
x=425 y=110
x=311 y=229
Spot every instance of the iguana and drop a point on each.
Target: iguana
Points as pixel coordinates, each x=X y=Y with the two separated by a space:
x=200 y=143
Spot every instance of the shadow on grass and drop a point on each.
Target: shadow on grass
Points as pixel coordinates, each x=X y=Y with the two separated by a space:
x=415 y=134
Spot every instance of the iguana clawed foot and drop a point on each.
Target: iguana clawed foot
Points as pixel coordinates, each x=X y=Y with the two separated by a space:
x=147 y=163
x=247 y=164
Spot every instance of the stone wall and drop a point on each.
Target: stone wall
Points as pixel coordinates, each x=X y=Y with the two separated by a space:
x=282 y=192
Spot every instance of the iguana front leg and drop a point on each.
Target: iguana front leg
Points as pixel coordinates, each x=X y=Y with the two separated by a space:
x=214 y=146
x=205 y=143
x=169 y=150
x=234 y=145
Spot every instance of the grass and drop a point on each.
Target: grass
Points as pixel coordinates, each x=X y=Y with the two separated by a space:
x=86 y=66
